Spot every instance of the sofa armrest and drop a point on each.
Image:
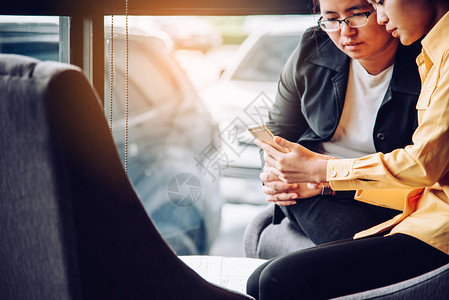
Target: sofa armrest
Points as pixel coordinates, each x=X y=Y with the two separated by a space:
x=255 y=229
x=262 y=239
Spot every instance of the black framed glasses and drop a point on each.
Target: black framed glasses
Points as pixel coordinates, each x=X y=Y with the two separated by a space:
x=354 y=21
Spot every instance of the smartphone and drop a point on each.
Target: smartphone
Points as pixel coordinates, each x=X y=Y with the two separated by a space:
x=264 y=134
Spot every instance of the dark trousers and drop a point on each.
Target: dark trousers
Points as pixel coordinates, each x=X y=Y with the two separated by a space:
x=344 y=267
x=331 y=218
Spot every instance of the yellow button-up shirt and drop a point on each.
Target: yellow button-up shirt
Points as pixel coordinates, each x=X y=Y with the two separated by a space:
x=414 y=179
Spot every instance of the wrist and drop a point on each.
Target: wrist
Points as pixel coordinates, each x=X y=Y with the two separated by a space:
x=321 y=169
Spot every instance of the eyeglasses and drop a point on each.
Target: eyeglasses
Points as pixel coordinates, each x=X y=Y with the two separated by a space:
x=354 y=21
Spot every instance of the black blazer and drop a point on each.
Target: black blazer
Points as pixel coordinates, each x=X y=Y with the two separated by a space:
x=312 y=90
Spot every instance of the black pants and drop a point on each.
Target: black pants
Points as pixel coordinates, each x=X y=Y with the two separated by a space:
x=344 y=267
x=326 y=219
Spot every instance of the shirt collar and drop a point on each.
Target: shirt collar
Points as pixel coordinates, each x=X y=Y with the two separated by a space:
x=432 y=45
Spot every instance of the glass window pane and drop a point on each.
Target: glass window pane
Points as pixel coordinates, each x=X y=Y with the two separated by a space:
x=194 y=84
x=41 y=37
x=265 y=59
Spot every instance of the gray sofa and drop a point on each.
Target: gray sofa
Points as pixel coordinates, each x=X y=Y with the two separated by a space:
x=71 y=225
x=262 y=239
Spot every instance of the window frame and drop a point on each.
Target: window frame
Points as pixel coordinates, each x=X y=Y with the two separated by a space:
x=86 y=28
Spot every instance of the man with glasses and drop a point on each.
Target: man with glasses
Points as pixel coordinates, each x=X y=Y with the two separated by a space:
x=343 y=92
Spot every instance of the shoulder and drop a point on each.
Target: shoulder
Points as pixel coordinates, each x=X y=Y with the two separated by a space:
x=314 y=60
x=313 y=35
x=314 y=39
x=316 y=49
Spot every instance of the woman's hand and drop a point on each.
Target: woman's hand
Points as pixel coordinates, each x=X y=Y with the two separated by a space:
x=282 y=193
x=299 y=165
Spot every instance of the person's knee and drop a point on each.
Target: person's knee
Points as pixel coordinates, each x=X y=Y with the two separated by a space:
x=252 y=285
x=269 y=283
x=288 y=278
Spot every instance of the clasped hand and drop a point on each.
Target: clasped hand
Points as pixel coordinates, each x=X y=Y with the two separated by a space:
x=294 y=175
x=282 y=193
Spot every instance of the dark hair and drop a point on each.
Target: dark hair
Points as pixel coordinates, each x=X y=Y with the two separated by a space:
x=316 y=6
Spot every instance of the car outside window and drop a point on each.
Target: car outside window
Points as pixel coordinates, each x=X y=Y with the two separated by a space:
x=265 y=59
x=169 y=126
x=195 y=175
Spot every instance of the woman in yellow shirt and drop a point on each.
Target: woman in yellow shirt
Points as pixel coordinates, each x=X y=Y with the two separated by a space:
x=416 y=177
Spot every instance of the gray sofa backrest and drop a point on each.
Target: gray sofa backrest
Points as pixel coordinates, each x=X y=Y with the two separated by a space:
x=38 y=252
x=71 y=224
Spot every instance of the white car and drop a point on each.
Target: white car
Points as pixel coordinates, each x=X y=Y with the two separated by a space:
x=169 y=128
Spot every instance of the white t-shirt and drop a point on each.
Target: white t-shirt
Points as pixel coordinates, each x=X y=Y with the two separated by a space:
x=364 y=94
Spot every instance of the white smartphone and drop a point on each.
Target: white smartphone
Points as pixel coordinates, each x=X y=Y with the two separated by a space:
x=264 y=134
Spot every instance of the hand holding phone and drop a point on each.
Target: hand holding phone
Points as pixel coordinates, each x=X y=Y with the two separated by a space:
x=264 y=134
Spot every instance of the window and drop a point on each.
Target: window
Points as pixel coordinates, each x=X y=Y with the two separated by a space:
x=256 y=67
x=192 y=83
x=44 y=38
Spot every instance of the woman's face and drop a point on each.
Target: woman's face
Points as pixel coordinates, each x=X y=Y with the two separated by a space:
x=407 y=20
x=367 y=42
